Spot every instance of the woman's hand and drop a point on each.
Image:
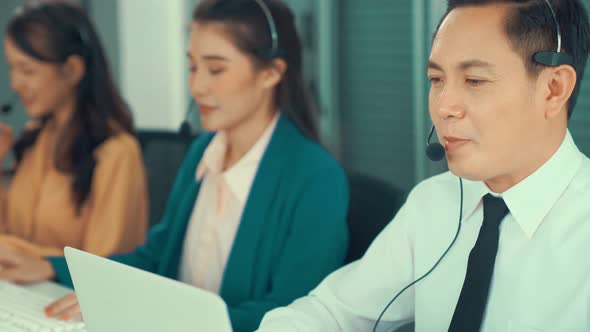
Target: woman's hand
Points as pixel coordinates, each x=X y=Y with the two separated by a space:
x=24 y=269
x=65 y=308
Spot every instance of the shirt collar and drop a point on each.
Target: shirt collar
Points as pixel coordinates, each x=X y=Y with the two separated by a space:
x=530 y=200
x=473 y=191
x=239 y=177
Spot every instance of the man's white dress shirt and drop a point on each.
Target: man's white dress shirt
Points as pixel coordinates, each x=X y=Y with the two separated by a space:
x=541 y=279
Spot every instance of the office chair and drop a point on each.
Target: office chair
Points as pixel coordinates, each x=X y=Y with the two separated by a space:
x=163 y=152
x=373 y=204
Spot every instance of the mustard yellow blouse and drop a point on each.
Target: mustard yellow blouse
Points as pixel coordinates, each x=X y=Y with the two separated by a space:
x=38 y=215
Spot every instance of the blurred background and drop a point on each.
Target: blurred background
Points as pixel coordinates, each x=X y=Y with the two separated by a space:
x=365 y=64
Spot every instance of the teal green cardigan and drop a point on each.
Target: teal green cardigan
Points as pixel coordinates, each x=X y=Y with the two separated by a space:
x=292 y=234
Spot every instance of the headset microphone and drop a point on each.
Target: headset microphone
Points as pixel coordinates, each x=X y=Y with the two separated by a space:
x=186 y=130
x=434 y=151
x=7 y=107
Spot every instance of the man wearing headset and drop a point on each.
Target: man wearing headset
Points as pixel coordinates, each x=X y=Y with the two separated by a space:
x=505 y=248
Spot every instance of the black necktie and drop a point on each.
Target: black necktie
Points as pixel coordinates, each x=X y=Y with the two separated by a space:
x=480 y=266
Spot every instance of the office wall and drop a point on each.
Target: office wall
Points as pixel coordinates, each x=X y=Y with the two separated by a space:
x=18 y=117
x=377 y=89
x=152 y=55
x=106 y=21
x=580 y=121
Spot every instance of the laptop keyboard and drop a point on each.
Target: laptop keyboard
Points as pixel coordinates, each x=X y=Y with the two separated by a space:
x=22 y=310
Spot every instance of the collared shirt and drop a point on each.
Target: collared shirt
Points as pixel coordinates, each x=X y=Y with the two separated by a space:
x=541 y=279
x=218 y=210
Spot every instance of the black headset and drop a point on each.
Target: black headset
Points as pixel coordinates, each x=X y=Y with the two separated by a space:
x=6 y=107
x=270 y=53
x=557 y=58
x=436 y=152
x=272 y=27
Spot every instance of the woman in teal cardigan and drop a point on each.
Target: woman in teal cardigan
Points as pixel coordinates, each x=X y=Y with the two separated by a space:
x=291 y=231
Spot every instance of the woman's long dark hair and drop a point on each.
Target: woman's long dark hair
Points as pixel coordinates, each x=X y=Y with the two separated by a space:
x=51 y=31
x=248 y=28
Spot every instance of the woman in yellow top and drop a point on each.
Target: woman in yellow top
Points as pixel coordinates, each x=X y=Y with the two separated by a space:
x=80 y=179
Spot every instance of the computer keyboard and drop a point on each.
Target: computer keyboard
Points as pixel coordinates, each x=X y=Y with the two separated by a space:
x=22 y=310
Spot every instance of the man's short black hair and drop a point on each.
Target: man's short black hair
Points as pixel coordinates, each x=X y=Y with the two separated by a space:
x=530 y=27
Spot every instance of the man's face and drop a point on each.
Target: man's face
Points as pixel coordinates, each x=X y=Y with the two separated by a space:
x=487 y=110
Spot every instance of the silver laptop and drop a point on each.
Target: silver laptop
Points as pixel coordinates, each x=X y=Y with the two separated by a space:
x=115 y=297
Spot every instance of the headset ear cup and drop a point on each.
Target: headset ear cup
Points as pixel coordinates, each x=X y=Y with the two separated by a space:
x=553 y=59
x=268 y=54
x=556 y=58
x=264 y=54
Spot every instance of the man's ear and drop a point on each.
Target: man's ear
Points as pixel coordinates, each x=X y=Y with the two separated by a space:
x=559 y=85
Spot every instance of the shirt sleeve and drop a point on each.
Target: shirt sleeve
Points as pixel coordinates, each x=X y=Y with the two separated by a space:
x=118 y=214
x=353 y=297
